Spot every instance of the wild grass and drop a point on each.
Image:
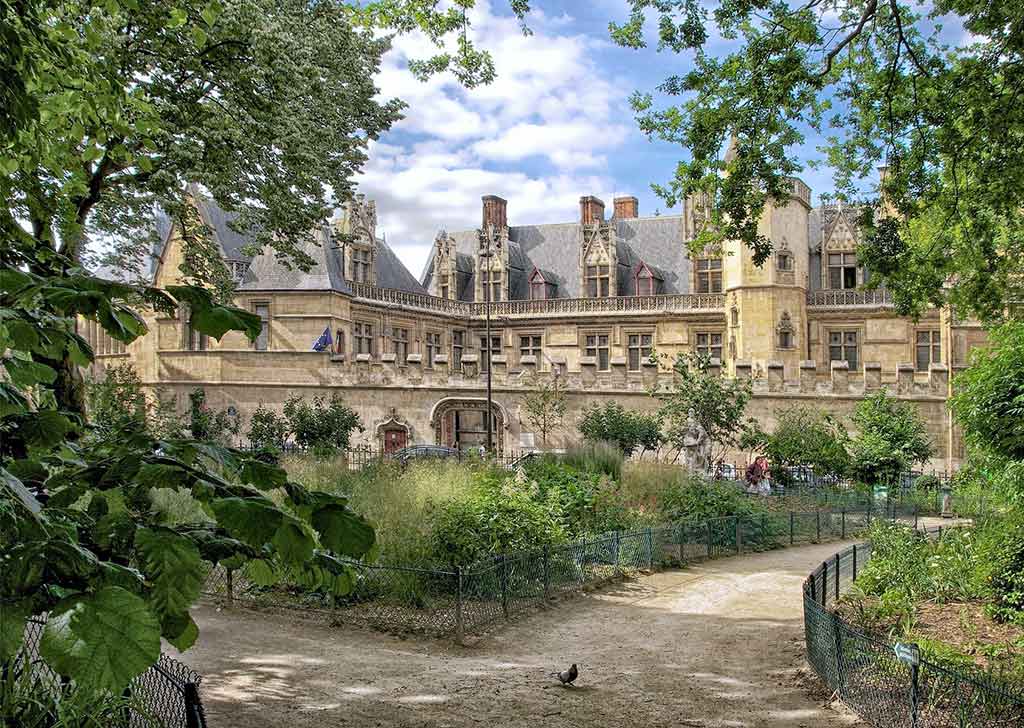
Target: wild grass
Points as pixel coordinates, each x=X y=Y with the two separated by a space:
x=595 y=457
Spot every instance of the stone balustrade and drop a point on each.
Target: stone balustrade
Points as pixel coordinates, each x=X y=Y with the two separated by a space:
x=848 y=298
x=551 y=307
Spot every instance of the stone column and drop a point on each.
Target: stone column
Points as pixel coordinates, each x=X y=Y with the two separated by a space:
x=938 y=379
x=808 y=375
x=588 y=367
x=649 y=372
x=904 y=378
x=840 y=377
x=499 y=368
x=363 y=367
x=872 y=376
x=389 y=366
x=414 y=369
x=470 y=366
x=440 y=370
x=618 y=366
x=776 y=375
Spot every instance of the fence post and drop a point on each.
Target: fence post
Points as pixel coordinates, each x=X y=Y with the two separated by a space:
x=739 y=536
x=837 y=577
x=231 y=587
x=844 y=523
x=504 y=585
x=547 y=572
x=855 y=562
x=764 y=527
x=840 y=672
x=459 y=624
x=682 y=536
x=913 y=695
x=707 y=524
x=792 y=527
x=915 y=516
x=817 y=525
x=615 y=546
x=195 y=716
x=824 y=582
x=650 y=549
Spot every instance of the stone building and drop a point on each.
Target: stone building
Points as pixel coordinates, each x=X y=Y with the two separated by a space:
x=587 y=299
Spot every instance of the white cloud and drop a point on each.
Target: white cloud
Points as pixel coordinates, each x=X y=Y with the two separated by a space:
x=552 y=111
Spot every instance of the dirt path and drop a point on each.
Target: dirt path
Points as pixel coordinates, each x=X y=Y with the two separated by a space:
x=718 y=644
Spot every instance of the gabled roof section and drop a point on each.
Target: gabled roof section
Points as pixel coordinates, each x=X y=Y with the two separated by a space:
x=391 y=273
x=268 y=273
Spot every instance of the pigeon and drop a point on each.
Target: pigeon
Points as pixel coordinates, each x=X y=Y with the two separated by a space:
x=567 y=677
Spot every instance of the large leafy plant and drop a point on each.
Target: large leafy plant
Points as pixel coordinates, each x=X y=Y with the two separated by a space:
x=80 y=538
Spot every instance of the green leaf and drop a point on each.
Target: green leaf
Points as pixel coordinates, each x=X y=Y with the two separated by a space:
x=46 y=428
x=102 y=640
x=19 y=491
x=342 y=531
x=293 y=543
x=160 y=475
x=11 y=400
x=251 y=520
x=263 y=475
x=26 y=374
x=177 y=18
x=120 y=322
x=181 y=631
x=23 y=335
x=214 y=319
x=12 y=628
x=173 y=565
x=198 y=36
x=12 y=280
x=211 y=12
x=261 y=573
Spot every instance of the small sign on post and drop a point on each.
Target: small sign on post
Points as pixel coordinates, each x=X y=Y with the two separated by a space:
x=908 y=653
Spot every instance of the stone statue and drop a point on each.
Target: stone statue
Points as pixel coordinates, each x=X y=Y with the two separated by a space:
x=696 y=446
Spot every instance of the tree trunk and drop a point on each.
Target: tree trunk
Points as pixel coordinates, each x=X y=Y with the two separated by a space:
x=69 y=386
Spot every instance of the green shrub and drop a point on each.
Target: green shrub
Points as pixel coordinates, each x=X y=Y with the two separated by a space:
x=1002 y=568
x=595 y=456
x=115 y=401
x=802 y=437
x=926 y=483
x=324 y=426
x=892 y=437
x=267 y=429
x=207 y=424
x=693 y=499
x=626 y=429
x=501 y=516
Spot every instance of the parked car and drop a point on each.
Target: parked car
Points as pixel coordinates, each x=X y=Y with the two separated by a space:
x=422 y=452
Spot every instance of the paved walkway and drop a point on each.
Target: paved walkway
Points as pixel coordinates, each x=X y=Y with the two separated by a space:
x=719 y=644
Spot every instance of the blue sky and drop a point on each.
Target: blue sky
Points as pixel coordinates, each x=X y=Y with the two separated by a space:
x=555 y=125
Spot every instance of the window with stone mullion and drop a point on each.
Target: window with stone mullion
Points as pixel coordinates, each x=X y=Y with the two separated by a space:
x=400 y=343
x=928 y=349
x=709 y=344
x=433 y=340
x=485 y=354
x=842 y=270
x=597 y=347
x=530 y=346
x=362 y=338
x=639 y=346
x=598 y=281
x=709 y=275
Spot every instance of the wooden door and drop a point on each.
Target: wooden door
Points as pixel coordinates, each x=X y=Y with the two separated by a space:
x=394 y=440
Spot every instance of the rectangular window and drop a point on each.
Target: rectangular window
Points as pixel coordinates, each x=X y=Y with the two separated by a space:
x=646 y=285
x=785 y=339
x=491 y=282
x=537 y=290
x=530 y=346
x=433 y=348
x=842 y=270
x=263 y=311
x=362 y=338
x=785 y=261
x=458 y=346
x=360 y=265
x=485 y=354
x=238 y=269
x=842 y=346
x=400 y=344
x=710 y=344
x=598 y=281
x=709 y=275
x=444 y=286
x=639 y=350
x=194 y=340
x=929 y=349
x=597 y=347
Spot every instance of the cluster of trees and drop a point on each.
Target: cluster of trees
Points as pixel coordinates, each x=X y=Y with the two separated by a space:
x=320 y=425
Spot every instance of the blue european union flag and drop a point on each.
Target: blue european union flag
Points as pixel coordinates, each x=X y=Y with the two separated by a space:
x=324 y=341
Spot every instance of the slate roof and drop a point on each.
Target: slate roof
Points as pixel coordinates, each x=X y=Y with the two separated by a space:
x=554 y=249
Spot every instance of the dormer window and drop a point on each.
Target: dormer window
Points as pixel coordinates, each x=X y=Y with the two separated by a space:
x=540 y=289
x=598 y=281
x=491 y=282
x=842 y=270
x=361 y=265
x=647 y=281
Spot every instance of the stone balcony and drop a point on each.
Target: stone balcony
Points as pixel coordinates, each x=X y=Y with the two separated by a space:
x=545 y=308
x=850 y=298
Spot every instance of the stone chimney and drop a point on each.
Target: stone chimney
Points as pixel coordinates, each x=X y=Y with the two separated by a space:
x=591 y=210
x=626 y=208
x=495 y=212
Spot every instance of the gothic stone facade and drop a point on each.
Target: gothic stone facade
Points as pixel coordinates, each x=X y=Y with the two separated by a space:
x=588 y=299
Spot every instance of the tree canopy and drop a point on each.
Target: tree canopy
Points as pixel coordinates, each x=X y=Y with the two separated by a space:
x=884 y=84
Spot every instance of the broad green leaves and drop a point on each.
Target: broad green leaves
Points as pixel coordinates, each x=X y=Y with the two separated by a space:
x=12 y=627
x=342 y=531
x=172 y=565
x=215 y=319
x=103 y=639
x=252 y=520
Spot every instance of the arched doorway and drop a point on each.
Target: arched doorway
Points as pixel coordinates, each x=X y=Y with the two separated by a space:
x=460 y=422
x=392 y=433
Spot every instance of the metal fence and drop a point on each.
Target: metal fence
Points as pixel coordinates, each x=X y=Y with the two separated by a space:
x=164 y=696
x=459 y=600
x=887 y=686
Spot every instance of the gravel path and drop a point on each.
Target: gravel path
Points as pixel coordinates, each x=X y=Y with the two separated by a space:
x=718 y=644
